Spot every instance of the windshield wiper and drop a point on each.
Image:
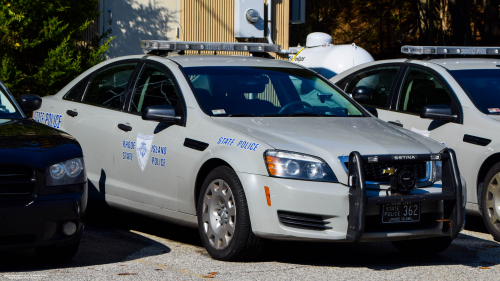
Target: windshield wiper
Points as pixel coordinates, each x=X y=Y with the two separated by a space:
x=308 y=114
x=242 y=115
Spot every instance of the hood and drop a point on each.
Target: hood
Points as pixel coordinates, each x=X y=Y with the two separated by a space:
x=495 y=117
x=331 y=137
x=25 y=141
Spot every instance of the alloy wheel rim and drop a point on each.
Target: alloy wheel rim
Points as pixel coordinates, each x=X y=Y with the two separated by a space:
x=219 y=214
x=493 y=201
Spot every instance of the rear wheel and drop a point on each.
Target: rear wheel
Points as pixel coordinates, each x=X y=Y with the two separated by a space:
x=428 y=246
x=490 y=201
x=57 y=253
x=223 y=220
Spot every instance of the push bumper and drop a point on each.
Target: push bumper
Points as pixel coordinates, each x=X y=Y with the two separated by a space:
x=30 y=223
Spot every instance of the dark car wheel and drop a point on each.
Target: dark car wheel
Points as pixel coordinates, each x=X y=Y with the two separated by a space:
x=427 y=246
x=490 y=201
x=223 y=220
x=57 y=253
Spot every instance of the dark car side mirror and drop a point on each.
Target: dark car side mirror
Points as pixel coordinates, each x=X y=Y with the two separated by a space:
x=372 y=110
x=438 y=112
x=161 y=113
x=362 y=94
x=29 y=102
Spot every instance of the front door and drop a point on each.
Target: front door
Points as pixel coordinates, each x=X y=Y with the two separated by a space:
x=145 y=152
x=421 y=87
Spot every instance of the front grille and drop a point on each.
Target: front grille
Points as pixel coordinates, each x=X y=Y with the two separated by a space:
x=374 y=171
x=17 y=239
x=16 y=181
x=303 y=221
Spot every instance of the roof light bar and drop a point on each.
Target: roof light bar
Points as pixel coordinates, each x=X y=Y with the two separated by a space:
x=162 y=45
x=430 y=50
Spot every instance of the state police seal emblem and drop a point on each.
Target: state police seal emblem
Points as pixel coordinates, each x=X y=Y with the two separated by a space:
x=143 y=147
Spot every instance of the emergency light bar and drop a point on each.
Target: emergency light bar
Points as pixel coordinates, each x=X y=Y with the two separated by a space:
x=430 y=50
x=162 y=45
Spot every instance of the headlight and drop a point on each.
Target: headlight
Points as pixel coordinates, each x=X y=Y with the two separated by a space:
x=64 y=173
x=285 y=164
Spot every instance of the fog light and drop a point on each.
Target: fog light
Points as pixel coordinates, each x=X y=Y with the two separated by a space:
x=69 y=228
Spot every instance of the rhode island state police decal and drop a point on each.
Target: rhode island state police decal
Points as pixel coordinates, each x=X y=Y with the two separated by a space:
x=143 y=147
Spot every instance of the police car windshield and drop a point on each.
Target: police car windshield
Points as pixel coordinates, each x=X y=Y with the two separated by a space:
x=264 y=91
x=482 y=86
x=7 y=109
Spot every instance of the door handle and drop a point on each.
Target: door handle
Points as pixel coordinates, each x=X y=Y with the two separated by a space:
x=124 y=127
x=110 y=30
x=72 y=113
x=397 y=123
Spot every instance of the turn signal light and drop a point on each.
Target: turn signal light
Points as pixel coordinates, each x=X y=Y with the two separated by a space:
x=273 y=165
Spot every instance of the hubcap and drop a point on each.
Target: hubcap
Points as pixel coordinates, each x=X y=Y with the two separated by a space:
x=219 y=214
x=493 y=201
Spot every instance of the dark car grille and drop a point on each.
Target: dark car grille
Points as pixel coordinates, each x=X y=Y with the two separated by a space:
x=374 y=171
x=304 y=221
x=16 y=181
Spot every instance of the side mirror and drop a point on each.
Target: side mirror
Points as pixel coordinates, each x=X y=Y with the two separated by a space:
x=438 y=112
x=372 y=110
x=362 y=94
x=29 y=102
x=162 y=113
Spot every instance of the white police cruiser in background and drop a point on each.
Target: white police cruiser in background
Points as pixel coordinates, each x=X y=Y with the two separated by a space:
x=452 y=100
x=249 y=148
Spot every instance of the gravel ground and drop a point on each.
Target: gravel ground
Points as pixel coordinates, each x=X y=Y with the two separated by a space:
x=122 y=246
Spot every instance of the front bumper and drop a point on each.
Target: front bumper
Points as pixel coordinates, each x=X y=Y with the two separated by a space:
x=30 y=223
x=320 y=211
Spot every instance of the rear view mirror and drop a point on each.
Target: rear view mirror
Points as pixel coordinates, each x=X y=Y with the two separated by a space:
x=438 y=112
x=29 y=102
x=362 y=94
x=372 y=110
x=161 y=113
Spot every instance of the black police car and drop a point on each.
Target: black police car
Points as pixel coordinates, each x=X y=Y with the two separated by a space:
x=43 y=183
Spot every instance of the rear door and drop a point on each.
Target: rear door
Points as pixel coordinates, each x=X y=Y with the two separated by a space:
x=422 y=86
x=91 y=117
x=146 y=152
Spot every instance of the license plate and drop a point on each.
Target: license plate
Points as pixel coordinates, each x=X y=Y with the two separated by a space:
x=401 y=212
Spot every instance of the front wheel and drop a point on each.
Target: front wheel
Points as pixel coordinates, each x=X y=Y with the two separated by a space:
x=490 y=201
x=427 y=246
x=223 y=219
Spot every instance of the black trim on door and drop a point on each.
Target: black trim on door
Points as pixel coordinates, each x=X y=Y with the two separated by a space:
x=476 y=140
x=196 y=145
x=455 y=105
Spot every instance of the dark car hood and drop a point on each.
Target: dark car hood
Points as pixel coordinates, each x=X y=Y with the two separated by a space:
x=25 y=141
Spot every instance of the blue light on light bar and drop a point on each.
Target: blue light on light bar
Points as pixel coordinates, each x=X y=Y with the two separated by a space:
x=431 y=50
x=150 y=45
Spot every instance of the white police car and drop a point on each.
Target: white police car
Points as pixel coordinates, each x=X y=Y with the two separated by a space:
x=452 y=100
x=249 y=148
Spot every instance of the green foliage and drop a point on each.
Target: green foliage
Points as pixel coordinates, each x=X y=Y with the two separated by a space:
x=41 y=44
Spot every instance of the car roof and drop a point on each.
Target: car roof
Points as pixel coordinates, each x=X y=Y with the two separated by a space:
x=216 y=60
x=467 y=63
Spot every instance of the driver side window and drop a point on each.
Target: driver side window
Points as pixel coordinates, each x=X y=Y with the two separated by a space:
x=107 y=87
x=379 y=80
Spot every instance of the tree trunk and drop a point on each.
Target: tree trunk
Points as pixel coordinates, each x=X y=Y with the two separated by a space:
x=491 y=35
x=460 y=21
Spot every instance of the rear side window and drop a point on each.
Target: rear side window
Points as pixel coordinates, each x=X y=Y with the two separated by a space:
x=107 y=87
x=379 y=80
x=77 y=90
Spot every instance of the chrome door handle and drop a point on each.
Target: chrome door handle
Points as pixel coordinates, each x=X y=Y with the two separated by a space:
x=124 y=127
x=397 y=123
x=72 y=113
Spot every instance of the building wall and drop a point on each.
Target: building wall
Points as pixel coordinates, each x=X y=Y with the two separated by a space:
x=213 y=21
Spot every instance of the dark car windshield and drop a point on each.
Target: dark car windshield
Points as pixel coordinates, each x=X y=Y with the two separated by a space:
x=482 y=86
x=7 y=109
x=264 y=91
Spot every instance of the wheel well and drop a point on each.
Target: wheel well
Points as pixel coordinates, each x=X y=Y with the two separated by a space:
x=206 y=168
x=485 y=167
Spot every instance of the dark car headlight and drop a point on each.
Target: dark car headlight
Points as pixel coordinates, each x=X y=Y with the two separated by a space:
x=293 y=165
x=71 y=171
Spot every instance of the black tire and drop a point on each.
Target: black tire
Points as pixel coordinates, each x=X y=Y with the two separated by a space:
x=244 y=245
x=57 y=253
x=422 y=247
x=490 y=201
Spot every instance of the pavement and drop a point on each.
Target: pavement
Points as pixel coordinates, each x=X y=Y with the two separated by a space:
x=123 y=246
